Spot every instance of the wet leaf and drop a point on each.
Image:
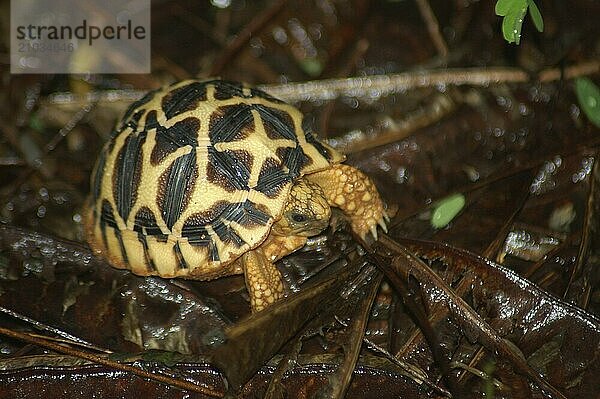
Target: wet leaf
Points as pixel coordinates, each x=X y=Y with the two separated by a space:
x=251 y=342
x=506 y=296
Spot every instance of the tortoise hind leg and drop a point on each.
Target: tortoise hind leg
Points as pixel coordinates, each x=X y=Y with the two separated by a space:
x=263 y=280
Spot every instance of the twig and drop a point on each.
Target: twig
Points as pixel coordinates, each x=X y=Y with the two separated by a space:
x=67 y=128
x=433 y=27
x=381 y=85
x=440 y=106
x=109 y=363
x=240 y=40
x=570 y=72
x=416 y=373
x=11 y=161
x=359 y=51
x=365 y=86
x=161 y=61
x=66 y=337
x=38 y=162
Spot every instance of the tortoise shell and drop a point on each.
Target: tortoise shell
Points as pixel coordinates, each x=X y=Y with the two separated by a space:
x=194 y=175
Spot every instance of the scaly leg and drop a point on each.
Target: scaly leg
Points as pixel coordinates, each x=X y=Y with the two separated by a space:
x=276 y=247
x=263 y=280
x=355 y=194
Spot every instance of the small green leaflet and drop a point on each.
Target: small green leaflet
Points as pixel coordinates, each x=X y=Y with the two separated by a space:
x=311 y=66
x=514 y=12
x=36 y=123
x=588 y=95
x=446 y=210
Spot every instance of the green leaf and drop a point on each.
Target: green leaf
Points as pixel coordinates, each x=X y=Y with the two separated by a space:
x=513 y=13
x=312 y=66
x=446 y=210
x=588 y=95
x=36 y=123
x=503 y=6
x=513 y=22
x=536 y=16
x=169 y=359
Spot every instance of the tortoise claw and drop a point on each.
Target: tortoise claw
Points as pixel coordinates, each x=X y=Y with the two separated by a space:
x=383 y=225
x=386 y=217
x=374 y=231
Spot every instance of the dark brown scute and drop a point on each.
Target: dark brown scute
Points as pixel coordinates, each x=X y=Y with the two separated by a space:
x=127 y=173
x=148 y=261
x=247 y=214
x=132 y=123
x=230 y=123
x=96 y=182
x=224 y=90
x=227 y=234
x=145 y=222
x=119 y=237
x=294 y=159
x=206 y=217
x=272 y=178
x=168 y=140
x=107 y=218
x=198 y=236
x=181 y=263
x=278 y=124
x=311 y=138
x=229 y=169
x=183 y=99
x=175 y=187
x=151 y=121
x=138 y=104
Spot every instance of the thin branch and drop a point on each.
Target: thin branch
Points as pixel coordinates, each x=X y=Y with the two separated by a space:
x=364 y=86
x=433 y=27
x=11 y=161
x=360 y=48
x=36 y=340
x=380 y=85
x=242 y=38
x=440 y=106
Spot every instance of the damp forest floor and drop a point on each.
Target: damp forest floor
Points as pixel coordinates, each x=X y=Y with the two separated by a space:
x=487 y=282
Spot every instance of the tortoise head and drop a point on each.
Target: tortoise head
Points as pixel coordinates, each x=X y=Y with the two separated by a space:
x=306 y=213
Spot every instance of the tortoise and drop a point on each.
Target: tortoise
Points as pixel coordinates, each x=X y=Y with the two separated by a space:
x=203 y=179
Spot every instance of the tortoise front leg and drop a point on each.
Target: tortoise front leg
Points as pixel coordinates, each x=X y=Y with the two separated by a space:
x=276 y=247
x=263 y=280
x=355 y=194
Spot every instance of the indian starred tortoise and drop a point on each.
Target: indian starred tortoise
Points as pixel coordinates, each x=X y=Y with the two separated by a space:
x=204 y=179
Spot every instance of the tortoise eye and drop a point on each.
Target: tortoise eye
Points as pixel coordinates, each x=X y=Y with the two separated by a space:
x=297 y=217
